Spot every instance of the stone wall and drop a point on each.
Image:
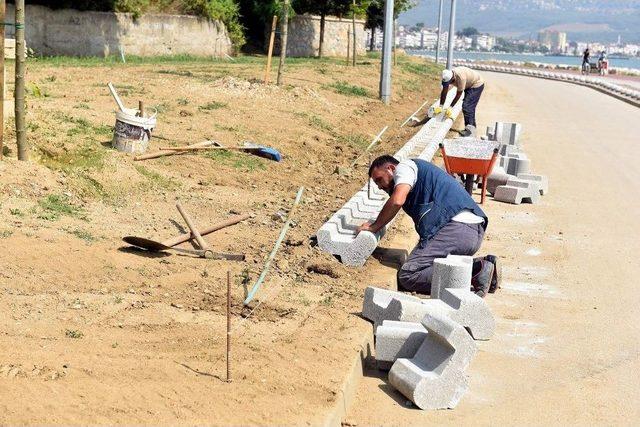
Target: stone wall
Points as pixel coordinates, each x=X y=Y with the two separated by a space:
x=74 y=33
x=304 y=36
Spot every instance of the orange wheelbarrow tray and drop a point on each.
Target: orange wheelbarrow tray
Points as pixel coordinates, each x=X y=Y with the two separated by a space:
x=470 y=166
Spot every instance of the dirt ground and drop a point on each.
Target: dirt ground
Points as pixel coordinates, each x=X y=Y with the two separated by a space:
x=92 y=332
x=566 y=347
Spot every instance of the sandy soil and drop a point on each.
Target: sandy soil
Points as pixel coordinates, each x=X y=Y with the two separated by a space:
x=93 y=333
x=566 y=347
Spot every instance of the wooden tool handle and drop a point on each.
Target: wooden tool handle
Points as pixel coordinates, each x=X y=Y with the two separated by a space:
x=174 y=241
x=192 y=227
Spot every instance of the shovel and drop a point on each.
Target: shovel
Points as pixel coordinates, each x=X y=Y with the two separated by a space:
x=153 y=246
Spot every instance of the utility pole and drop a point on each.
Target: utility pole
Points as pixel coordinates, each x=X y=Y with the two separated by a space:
x=439 y=32
x=452 y=35
x=388 y=40
x=283 y=40
x=23 y=152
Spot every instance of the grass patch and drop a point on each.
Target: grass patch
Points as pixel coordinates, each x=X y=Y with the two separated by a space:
x=245 y=162
x=73 y=333
x=5 y=233
x=347 y=89
x=421 y=68
x=183 y=101
x=54 y=206
x=357 y=141
x=16 y=212
x=86 y=157
x=83 y=235
x=35 y=91
x=318 y=123
x=156 y=180
x=215 y=105
x=82 y=106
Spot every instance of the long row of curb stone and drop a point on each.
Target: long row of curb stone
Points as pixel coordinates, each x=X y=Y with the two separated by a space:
x=629 y=95
x=337 y=236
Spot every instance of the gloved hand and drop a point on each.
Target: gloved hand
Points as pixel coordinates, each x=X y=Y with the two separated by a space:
x=448 y=113
x=437 y=110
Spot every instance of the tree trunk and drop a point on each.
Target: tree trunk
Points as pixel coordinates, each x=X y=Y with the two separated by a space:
x=322 y=25
x=23 y=150
x=372 y=42
x=283 y=41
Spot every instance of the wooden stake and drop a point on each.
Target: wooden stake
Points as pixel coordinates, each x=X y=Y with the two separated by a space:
x=228 y=326
x=348 y=46
x=272 y=40
x=354 y=34
x=23 y=149
x=283 y=40
x=141 y=108
x=2 y=76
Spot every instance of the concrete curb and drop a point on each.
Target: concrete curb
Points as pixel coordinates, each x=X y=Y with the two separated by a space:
x=628 y=95
x=349 y=388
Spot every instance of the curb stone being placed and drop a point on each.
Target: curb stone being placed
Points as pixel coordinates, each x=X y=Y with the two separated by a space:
x=338 y=235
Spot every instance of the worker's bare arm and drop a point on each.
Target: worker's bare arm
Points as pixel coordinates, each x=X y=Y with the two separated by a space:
x=443 y=94
x=389 y=210
x=456 y=98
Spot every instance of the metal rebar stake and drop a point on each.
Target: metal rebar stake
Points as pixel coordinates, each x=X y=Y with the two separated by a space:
x=228 y=326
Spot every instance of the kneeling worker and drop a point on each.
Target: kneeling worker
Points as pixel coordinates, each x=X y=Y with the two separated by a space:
x=446 y=218
x=470 y=83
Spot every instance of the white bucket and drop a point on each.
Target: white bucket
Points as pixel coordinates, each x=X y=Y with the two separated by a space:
x=132 y=133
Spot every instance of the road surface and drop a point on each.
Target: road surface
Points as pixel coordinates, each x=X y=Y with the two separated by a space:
x=567 y=346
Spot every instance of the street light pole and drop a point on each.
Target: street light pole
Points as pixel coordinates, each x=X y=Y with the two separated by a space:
x=452 y=34
x=385 y=75
x=439 y=32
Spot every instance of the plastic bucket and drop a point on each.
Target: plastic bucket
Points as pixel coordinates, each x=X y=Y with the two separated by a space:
x=132 y=133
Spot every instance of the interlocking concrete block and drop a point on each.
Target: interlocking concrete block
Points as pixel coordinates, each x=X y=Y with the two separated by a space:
x=516 y=164
x=541 y=179
x=471 y=311
x=510 y=150
x=516 y=195
x=508 y=133
x=435 y=377
x=376 y=301
x=495 y=180
x=461 y=305
x=451 y=272
x=396 y=340
x=534 y=186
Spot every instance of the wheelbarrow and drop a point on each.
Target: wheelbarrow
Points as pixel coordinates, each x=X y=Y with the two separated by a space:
x=470 y=157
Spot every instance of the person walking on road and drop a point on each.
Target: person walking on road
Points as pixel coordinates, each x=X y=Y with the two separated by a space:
x=446 y=218
x=466 y=81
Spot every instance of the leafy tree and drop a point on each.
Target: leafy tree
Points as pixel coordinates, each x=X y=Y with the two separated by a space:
x=375 y=14
x=468 y=32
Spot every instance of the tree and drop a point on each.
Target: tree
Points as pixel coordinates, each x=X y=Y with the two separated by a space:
x=325 y=8
x=375 y=14
x=468 y=32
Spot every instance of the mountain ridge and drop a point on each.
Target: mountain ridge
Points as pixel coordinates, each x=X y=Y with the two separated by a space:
x=587 y=20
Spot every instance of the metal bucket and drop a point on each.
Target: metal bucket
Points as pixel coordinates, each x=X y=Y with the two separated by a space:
x=132 y=133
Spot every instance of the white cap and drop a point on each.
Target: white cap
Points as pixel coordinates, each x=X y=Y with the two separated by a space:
x=447 y=75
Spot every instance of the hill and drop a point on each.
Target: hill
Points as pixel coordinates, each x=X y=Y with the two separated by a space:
x=587 y=20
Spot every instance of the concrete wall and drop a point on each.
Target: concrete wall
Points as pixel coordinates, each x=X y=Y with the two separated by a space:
x=74 y=33
x=304 y=36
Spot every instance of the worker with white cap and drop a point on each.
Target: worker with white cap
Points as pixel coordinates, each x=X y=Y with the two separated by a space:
x=466 y=81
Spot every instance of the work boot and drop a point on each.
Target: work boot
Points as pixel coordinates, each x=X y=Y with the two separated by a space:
x=497 y=273
x=482 y=276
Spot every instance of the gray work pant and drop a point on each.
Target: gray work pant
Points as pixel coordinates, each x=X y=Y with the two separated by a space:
x=455 y=238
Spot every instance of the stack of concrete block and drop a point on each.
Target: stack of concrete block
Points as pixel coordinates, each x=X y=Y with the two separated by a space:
x=428 y=343
x=434 y=378
x=338 y=235
x=511 y=180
